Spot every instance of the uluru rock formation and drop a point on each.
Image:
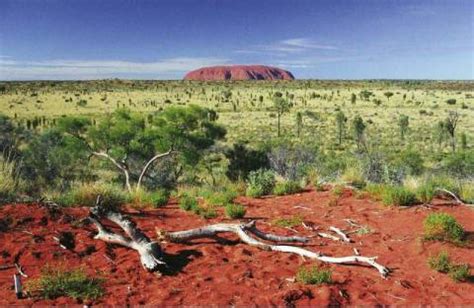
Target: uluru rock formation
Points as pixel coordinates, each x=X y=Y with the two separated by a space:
x=239 y=72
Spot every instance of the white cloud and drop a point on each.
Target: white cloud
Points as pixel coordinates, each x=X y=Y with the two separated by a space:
x=288 y=46
x=95 y=69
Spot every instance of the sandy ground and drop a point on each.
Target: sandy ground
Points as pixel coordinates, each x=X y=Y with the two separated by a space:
x=227 y=272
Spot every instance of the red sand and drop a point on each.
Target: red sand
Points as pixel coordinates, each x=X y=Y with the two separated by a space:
x=235 y=274
x=239 y=72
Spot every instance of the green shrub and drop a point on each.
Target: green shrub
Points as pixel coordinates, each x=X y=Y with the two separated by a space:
x=467 y=192
x=459 y=272
x=187 y=202
x=56 y=282
x=221 y=198
x=398 y=195
x=443 y=264
x=288 y=222
x=440 y=263
x=85 y=194
x=155 y=199
x=287 y=188
x=338 y=190
x=314 y=275
x=425 y=193
x=260 y=183
x=10 y=182
x=375 y=190
x=443 y=227
x=235 y=210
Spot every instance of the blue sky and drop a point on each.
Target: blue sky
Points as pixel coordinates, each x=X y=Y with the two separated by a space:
x=330 y=39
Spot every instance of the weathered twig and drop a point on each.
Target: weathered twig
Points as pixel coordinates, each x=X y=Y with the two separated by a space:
x=341 y=234
x=453 y=195
x=329 y=236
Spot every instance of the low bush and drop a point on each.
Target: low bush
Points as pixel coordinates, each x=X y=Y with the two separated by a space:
x=440 y=263
x=220 y=198
x=287 y=188
x=459 y=272
x=443 y=264
x=85 y=194
x=154 y=199
x=353 y=176
x=235 y=210
x=443 y=227
x=466 y=192
x=56 y=282
x=260 y=183
x=398 y=195
x=425 y=192
x=314 y=275
x=188 y=202
x=375 y=190
x=338 y=190
x=9 y=180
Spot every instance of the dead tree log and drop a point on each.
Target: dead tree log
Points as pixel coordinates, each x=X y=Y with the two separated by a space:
x=150 y=252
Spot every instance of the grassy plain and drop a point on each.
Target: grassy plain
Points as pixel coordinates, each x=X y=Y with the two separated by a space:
x=247 y=111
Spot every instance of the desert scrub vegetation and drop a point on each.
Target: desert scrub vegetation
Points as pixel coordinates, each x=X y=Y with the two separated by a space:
x=443 y=227
x=55 y=282
x=190 y=203
x=85 y=194
x=287 y=187
x=314 y=275
x=443 y=264
x=143 y=198
x=260 y=183
x=10 y=181
x=234 y=211
x=398 y=196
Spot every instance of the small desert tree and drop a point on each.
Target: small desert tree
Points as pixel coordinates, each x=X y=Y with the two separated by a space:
x=358 y=129
x=388 y=95
x=281 y=106
x=403 y=122
x=123 y=139
x=450 y=125
x=353 y=98
x=299 y=123
x=340 y=125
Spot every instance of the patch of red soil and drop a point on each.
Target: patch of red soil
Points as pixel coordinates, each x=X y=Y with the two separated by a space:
x=239 y=72
x=231 y=273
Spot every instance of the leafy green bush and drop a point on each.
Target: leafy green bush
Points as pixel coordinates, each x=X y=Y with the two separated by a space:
x=398 y=195
x=443 y=227
x=443 y=264
x=425 y=193
x=260 y=183
x=221 y=198
x=375 y=190
x=235 y=210
x=314 y=275
x=287 y=188
x=155 y=199
x=459 y=272
x=85 y=194
x=56 y=282
x=187 y=202
x=460 y=164
x=10 y=182
x=440 y=263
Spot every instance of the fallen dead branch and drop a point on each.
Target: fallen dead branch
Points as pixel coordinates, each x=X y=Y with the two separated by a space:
x=151 y=255
x=341 y=234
